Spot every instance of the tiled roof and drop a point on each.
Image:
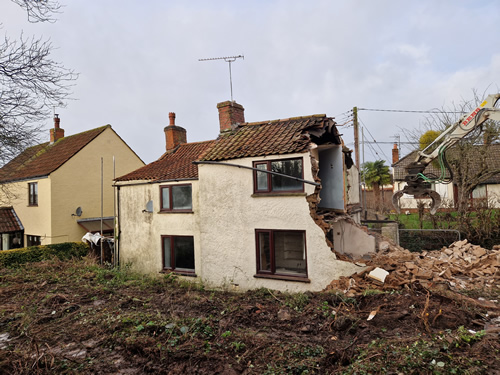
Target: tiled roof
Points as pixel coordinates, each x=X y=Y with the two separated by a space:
x=175 y=165
x=43 y=159
x=9 y=222
x=276 y=137
x=272 y=138
x=492 y=159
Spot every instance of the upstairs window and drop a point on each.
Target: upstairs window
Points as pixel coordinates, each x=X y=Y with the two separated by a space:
x=178 y=253
x=281 y=252
x=271 y=183
x=176 y=198
x=33 y=193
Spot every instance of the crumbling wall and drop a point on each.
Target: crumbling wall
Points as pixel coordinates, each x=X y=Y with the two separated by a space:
x=347 y=239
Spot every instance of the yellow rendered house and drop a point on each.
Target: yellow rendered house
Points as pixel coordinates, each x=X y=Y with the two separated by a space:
x=57 y=191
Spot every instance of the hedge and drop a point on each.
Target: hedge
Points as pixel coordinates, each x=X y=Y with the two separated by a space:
x=66 y=250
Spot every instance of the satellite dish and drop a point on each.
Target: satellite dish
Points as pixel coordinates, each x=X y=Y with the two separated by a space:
x=78 y=212
x=149 y=207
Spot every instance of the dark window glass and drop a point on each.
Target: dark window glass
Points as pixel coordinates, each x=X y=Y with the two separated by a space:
x=181 y=197
x=178 y=253
x=176 y=198
x=281 y=252
x=290 y=168
x=269 y=182
x=33 y=240
x=33 y=193
x=184 y=252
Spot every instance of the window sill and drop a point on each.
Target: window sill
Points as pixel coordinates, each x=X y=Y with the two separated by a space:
x=180 y=273
x=176 y=212
x=282 y=277
x=260 y=195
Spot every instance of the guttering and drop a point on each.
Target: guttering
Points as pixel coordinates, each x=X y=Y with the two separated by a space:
x=259 y=170
x=155 y=181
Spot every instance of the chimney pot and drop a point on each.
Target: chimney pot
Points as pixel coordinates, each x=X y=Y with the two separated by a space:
x=171 y=116
x=56 y=133
x=174 y=135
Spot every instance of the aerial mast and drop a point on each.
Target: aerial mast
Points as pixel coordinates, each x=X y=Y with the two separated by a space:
x=228 y=59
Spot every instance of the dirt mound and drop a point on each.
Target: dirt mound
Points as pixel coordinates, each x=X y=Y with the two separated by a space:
x=76 y=317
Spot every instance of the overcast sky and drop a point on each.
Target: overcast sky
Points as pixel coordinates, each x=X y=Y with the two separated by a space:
x=138 y=61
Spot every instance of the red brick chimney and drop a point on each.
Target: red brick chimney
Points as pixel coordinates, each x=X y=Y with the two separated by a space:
x=395 y=153
x=174 y=135
x=56 y=133
x=230 y=113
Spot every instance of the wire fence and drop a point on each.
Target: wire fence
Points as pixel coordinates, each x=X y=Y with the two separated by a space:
x=427 y=239
x=424 y=239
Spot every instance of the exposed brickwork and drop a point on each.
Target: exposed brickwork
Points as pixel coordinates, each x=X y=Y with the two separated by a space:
x=174 y=135
x=395 y=153
x=56 y=133
x=230 y=113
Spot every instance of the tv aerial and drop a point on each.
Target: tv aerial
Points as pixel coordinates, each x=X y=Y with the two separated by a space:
x=228 y=59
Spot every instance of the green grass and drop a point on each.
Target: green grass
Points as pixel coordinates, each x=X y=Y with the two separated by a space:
x=411 y=221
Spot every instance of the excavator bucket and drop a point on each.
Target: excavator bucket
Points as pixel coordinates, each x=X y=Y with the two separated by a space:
x=435 y=198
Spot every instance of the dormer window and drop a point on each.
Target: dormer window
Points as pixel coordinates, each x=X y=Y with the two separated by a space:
x=176 y=198
x=271 y=183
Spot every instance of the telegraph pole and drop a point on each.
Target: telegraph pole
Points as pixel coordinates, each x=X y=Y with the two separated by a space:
x=356 y=136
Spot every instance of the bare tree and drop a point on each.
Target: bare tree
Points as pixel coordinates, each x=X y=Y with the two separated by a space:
x=468 y=159
x=31 y=83
x=39 y=10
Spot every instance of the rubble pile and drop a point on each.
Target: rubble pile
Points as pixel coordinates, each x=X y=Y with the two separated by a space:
x=462 y=265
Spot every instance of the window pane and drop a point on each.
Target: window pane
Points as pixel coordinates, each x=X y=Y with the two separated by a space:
x=33 y=193
x=181 y=197
x=167 y=262
x=289 y=252
x=165 y=198
x=264 y=252
x=262 y=177
x=184 y=252
x=479 y=192
x=290 y=168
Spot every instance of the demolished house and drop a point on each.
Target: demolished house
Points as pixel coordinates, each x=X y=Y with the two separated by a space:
x=270 y=204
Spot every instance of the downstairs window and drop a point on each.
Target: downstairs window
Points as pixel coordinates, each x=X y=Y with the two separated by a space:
x=178 y=253
x=281 y=252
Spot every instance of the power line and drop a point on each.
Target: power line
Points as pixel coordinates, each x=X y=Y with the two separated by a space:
x=407 y=111
x=375 y=142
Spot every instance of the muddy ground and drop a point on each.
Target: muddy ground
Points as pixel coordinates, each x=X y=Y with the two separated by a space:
x=76 y=317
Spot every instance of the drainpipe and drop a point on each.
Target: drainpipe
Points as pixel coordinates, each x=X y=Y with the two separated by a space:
x=117 y=237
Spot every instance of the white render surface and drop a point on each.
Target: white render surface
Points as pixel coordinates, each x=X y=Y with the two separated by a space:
x=229 y=216
x=140 y=237
x=225 y=216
